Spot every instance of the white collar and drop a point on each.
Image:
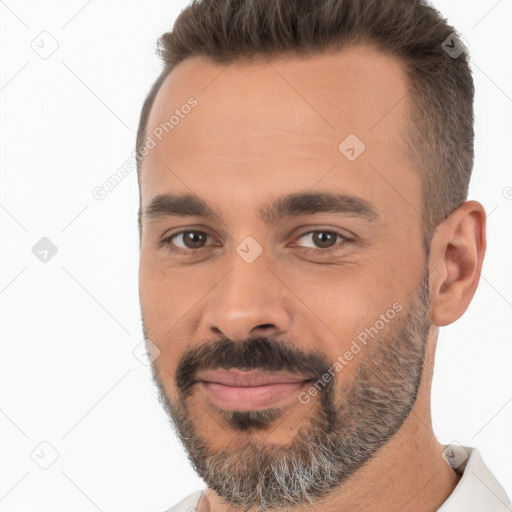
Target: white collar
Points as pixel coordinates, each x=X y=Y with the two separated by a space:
x=477 y=490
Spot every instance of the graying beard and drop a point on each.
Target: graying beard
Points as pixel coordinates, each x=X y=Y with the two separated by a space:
x=337 y=443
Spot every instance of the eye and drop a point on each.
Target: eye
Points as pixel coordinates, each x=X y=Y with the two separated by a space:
x=185 y=241
x=324 y=240
x=189 y=241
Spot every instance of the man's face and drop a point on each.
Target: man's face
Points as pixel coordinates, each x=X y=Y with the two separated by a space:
x=305 y=284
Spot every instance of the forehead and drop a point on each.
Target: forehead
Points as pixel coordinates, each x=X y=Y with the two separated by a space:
x=259 y=124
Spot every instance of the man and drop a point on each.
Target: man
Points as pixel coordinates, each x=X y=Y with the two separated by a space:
x=303 y=173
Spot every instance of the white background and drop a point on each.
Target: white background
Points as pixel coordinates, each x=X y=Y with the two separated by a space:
x=69 y=326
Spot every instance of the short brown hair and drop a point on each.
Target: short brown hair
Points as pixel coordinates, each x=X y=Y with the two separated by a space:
x=440 y=139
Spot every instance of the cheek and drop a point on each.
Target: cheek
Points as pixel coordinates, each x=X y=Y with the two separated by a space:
x=347 y=303
x=340 y=295
x=169 y=299
x=166 y=293
x=158 y=301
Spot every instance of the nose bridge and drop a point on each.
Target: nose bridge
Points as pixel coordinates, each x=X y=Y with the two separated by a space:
x=248 y=299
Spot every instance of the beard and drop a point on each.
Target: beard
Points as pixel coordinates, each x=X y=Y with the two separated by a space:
x=348 y=428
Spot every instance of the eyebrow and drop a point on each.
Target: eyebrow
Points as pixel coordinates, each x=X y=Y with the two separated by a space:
x=307 y=203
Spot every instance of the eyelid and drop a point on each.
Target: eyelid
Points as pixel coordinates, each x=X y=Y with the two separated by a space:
x=346 y=238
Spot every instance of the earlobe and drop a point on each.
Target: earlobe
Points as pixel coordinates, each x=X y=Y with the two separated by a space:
x=457 y=253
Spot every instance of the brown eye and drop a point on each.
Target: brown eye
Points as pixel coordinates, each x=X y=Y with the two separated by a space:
x=324 y=239
x=321 y=239
x=186 y=240
x=194 y=239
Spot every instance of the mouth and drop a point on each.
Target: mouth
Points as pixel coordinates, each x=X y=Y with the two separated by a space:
x=249 y=391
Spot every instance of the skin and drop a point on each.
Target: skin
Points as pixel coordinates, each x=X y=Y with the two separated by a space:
x=263 y=129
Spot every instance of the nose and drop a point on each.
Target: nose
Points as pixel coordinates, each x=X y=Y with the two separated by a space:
x=249 y=301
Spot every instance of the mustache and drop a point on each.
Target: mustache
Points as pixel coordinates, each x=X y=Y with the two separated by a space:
x=262 y=353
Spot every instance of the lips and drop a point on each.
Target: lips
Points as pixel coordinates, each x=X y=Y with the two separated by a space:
x=234 y=377
x=244 y=391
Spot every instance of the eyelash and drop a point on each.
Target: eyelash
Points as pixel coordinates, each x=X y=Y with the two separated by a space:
x=166 y=242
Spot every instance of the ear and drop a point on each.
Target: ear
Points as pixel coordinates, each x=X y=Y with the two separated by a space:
x=456 y=255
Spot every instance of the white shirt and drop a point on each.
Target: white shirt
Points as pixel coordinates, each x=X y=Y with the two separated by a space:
x=477 y=490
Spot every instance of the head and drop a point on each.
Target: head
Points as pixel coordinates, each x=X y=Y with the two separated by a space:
x=303 y=171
